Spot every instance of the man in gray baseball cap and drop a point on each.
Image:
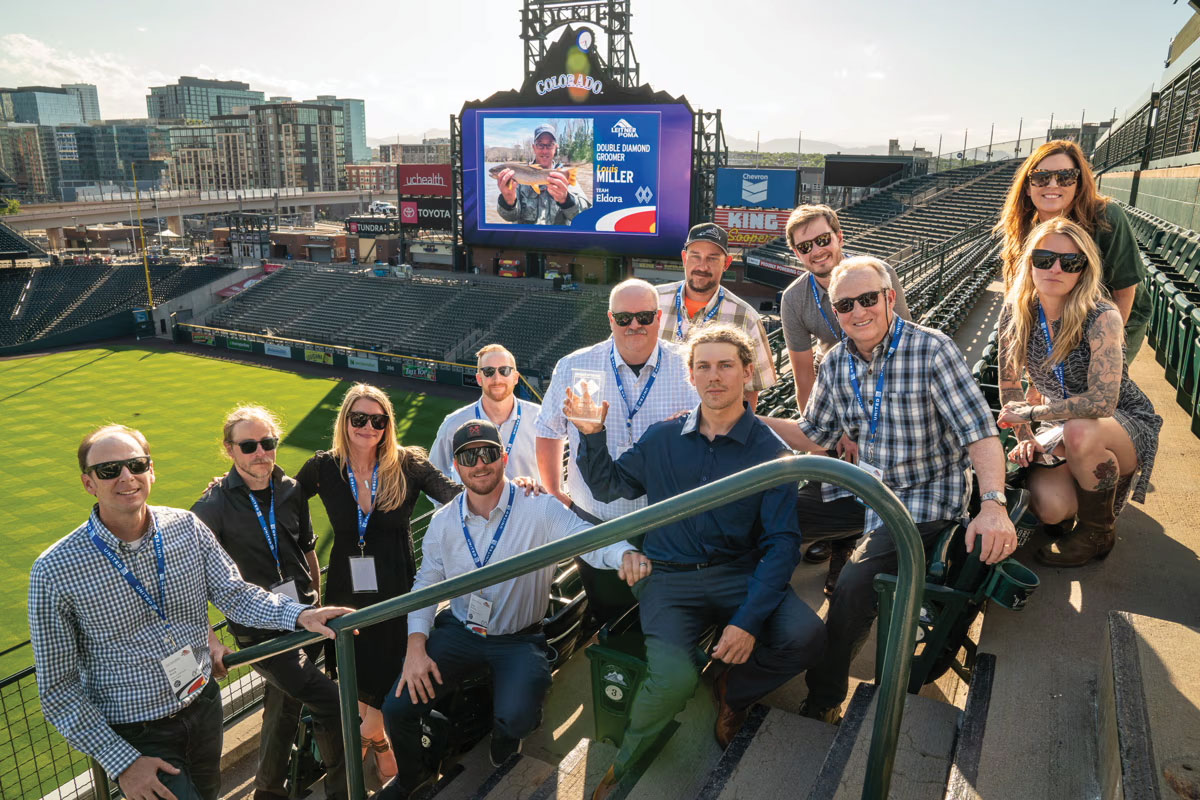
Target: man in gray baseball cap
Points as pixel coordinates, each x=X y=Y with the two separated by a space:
x=557 y=204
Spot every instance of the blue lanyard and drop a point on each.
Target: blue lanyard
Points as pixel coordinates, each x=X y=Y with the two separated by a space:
x=126 y=573
x=363 y=519
x=462 y=517
x=268 y=526
x=631 y=413
x=878 y=402
x=679 y=337
x=512 y=437
x=1060 y=371
x=812 y=284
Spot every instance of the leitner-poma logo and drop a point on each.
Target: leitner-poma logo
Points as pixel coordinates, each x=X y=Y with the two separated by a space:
x=624 y=130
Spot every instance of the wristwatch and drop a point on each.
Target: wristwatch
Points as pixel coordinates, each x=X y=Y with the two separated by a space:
x=997 y=497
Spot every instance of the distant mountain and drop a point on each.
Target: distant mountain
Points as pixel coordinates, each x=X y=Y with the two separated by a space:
x=808 y=146
x=408 y=138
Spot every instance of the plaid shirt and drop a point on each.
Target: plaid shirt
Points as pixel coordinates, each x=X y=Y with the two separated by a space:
x=735 y=311
x=98 y=647
x=932 y=409
x=672 y=392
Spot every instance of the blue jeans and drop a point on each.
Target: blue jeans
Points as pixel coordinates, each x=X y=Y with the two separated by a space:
x=520 y=679
x=189 y=740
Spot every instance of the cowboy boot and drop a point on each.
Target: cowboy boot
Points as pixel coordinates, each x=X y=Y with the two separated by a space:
x=1094 y=535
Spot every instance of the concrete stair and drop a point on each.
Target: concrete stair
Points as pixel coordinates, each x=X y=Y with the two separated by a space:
x=777 y=754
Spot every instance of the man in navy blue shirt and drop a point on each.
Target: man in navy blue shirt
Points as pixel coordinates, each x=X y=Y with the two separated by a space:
x=730 y=566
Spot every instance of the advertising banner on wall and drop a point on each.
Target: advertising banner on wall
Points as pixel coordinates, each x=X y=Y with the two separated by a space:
x=431 y=213
x=421 y=372
x=240 y=344
x=425 y=180
x=370 y=227
x=281 y=350
x=203 y=338
x=757 y=188
x=318 y=356
x=750 y=227
x=358 y=362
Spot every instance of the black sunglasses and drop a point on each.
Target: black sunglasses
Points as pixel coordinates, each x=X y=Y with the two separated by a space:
x=360 y=418
x=487 y=455
x=866 y=300
x=1063 y=177
x=820 y=240
x=250 y=445
x=1070 y=262
x=490 y=371
x=623 y=318
x=107 y=470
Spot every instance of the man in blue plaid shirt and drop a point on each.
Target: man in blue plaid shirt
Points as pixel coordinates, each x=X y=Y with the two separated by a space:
x=904 y=393
x=118 y=617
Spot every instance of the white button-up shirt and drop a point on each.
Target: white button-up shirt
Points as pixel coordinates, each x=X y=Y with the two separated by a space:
x=522 y=457
x=672 y=392
x=518 y=602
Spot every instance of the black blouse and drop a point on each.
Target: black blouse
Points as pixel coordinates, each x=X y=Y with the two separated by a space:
x=388 y=537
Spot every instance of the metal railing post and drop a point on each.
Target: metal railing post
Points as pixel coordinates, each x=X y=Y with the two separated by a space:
x=348 y=693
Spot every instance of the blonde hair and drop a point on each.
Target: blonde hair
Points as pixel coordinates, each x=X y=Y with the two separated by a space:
x=1019 y=213
x=1022 y=298
x=806 y=214
x=494 y=348
x=248 y=414
x=389 y=454
x=723 y=333
x=859 y=263
x=85 y=447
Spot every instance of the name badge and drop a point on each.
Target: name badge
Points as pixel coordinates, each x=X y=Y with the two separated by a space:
x=479 y=613
x=183 y=673
x=362 y=574
x=872 y=470
x=288 y=588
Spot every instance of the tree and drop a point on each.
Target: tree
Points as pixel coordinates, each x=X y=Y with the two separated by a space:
x=8 y=206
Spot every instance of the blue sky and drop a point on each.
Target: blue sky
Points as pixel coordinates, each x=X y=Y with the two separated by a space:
x=853 y=72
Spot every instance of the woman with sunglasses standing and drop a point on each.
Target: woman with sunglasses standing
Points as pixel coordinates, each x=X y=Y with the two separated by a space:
x=369 y=485
x=1056 y=181
x=1058 y=327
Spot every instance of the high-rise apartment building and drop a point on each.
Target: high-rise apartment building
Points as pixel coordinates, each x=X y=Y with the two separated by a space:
x=213 y=157
x=198 y=99
x=354 y=118
x=22 y=159
x=298 y=145
x=40 y=105
x=89 y=100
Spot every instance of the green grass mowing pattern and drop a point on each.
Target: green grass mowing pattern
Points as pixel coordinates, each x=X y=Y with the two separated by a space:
x=48 y=403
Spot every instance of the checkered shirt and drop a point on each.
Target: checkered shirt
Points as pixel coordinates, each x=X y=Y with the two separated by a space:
x=98 y=647
x=932 y=409
x=734 y=311
x=672 y=392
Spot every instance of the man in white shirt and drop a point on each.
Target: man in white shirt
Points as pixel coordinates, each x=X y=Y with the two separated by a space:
x=501 y=625
x=644 y=381
x=497 y=376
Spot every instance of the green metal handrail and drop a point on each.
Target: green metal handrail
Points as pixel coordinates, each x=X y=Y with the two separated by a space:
x=897 y=658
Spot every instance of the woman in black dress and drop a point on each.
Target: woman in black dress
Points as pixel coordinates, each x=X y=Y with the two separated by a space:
x=1059 y=327
x=369 y=484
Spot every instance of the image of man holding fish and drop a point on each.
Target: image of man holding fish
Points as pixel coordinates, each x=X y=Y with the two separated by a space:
x=544 y=191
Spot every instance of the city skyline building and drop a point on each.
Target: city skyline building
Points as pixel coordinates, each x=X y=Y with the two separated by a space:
x=89 y=100
x=40 y=105
x=354 y=117
x=199 y=99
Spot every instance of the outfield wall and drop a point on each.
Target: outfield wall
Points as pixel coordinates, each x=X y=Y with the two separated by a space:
x=1172 y=193
x=421 y=369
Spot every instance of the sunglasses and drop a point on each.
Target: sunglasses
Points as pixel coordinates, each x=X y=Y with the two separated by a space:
x=359 y=418
x=487 y=455
x=250 y=445
x=107 y=470
x=1063 y=177
x=490 y=371
x=623 y=318
x=1070 y=262
x=866 y=300
x=820 y=240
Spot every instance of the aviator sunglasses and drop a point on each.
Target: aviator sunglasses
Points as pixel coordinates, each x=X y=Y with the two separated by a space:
x=107 y=470
x=623 y=318
x=1063 y=177
x=487 y=455
x=866 y=300
x=360 y=418
x=820 y=240
x=488 y=372
x=250 y=445
x=1070 y=262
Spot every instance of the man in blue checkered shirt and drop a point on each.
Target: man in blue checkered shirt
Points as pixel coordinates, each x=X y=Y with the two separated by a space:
x=118 y=617
x=904 y=394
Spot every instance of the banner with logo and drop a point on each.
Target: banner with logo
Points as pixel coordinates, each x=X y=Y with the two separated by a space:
x=757 y=188
x=357 y=362
x=280 y=350
x=318 y=356
x=431 y=213
x=240 y=344
x=370 y=227
x=424 y=180
x=203 y=338
x=421 y=372
x=748 y=227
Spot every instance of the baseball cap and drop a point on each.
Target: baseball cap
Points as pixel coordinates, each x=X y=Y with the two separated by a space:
x=473 y=431
x=540 y=129
x=708 y=232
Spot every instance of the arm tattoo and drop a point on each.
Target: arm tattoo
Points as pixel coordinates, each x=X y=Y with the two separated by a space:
x=1106 y=475
x=1104 y=376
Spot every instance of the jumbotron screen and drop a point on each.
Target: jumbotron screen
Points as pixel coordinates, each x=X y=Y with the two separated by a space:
x=611 y=179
